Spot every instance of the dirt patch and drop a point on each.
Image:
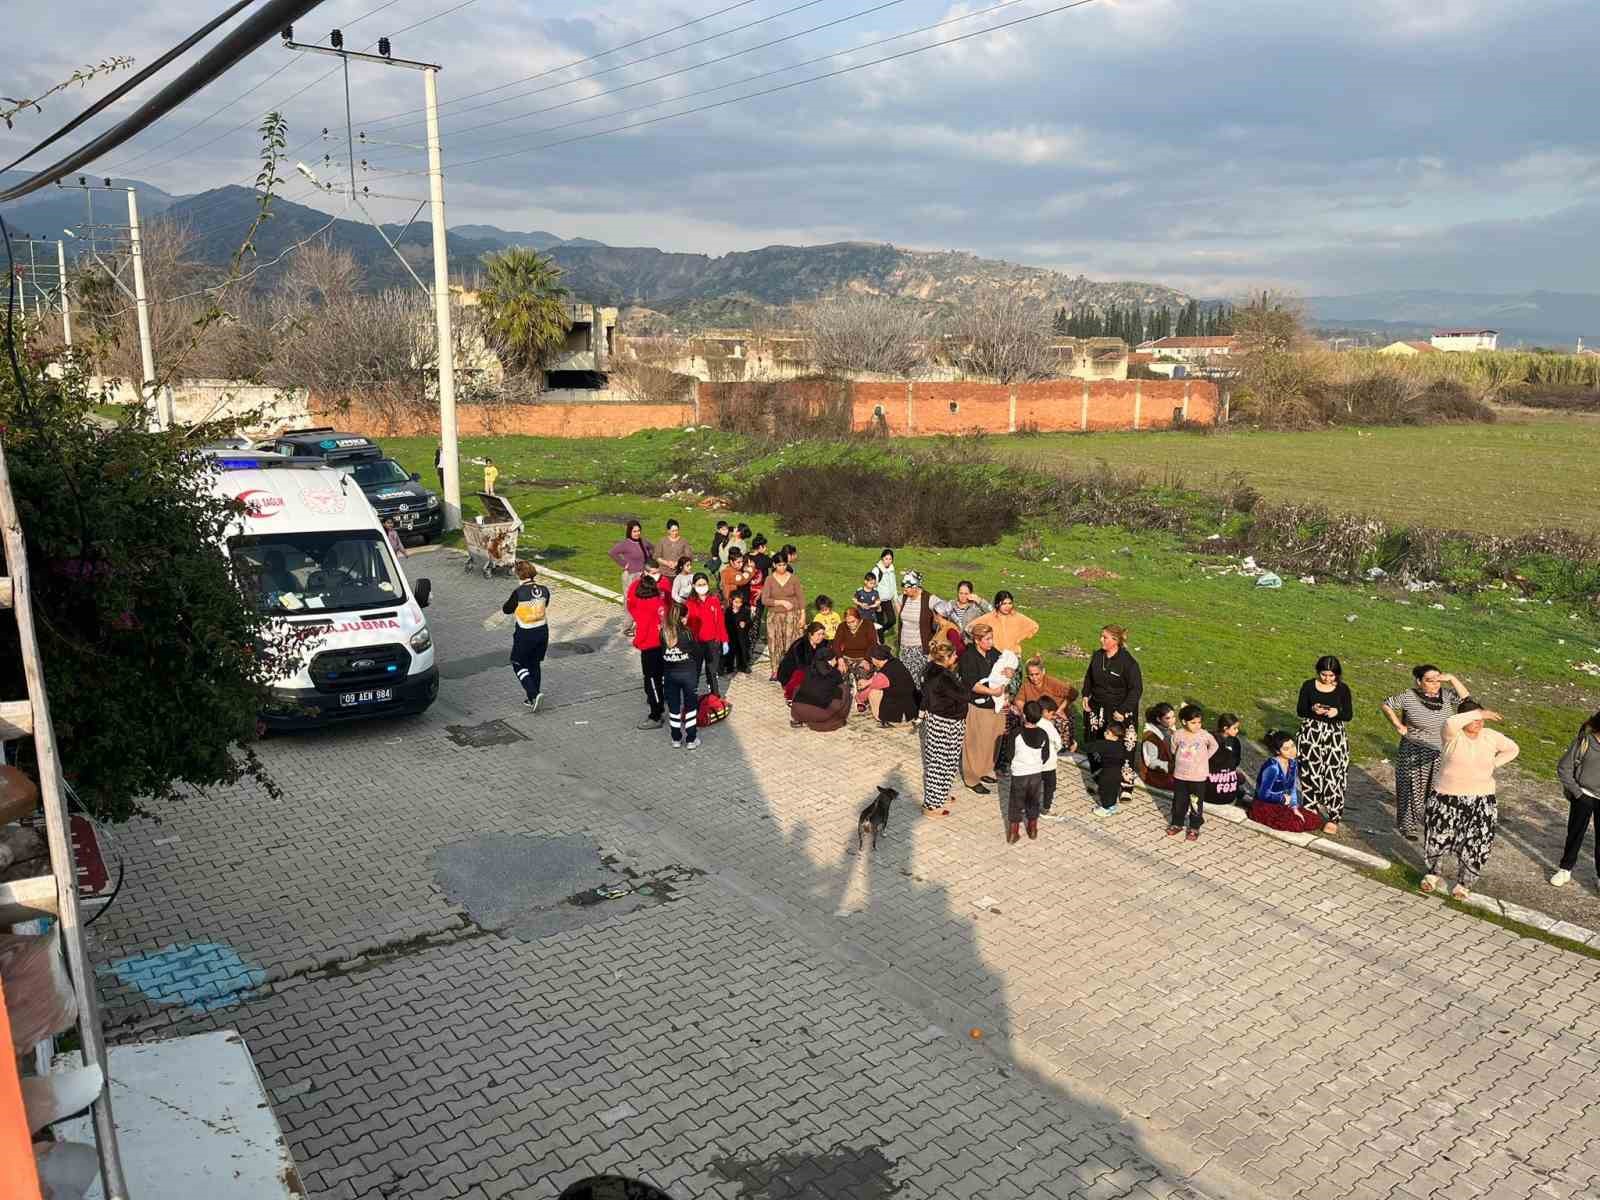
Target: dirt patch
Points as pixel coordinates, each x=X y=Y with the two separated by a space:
x=1095 y=574
x=617 y=519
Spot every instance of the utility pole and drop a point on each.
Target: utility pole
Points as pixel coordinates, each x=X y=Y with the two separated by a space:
x=448 y=442
x=147 y=358
x=66 y=297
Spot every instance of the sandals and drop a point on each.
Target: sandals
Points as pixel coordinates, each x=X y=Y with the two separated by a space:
x=1192 y=836
x=1429 y=884
x=1174 y=830
x=935 y=812
x=1459 y=892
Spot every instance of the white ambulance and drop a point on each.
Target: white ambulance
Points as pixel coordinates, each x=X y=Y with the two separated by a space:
x=310 y=548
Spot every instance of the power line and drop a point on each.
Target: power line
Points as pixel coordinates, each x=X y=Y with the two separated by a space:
x=722 y=87
x=224 y=108
x=784 y=87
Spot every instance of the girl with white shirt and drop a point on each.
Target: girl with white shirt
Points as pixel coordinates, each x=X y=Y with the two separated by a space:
x=1459 y=815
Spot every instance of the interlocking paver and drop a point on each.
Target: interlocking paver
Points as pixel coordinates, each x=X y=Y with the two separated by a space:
x=1148 y=1006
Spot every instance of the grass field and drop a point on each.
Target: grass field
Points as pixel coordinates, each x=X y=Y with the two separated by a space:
x=1200 y=635
x=1519 y=474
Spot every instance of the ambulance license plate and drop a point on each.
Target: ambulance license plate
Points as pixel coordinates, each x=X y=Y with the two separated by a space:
x=373 y=696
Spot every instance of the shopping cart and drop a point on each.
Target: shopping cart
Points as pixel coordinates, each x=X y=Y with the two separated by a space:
x=492 y=538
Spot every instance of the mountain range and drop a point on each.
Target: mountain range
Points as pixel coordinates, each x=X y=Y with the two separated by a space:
x=743 y=286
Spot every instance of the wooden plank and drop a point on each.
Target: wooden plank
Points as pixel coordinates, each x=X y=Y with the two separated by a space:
x=5 y=591
x=16 y=719
x=25 y=899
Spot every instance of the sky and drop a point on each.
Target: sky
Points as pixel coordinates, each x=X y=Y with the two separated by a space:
x=1214 y=146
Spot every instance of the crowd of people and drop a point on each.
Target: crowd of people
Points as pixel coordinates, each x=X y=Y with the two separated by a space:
x=958 y=673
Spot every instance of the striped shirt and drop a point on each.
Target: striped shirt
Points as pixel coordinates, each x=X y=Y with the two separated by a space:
x=1424 y=725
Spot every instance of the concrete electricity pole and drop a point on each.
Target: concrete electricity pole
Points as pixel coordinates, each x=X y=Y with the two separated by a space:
x=66 y=296
x=445 y=354
x=147 y=357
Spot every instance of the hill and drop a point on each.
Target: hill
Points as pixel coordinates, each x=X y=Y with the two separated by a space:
x=1523 y=318
x=694 y=288
x=45 y=213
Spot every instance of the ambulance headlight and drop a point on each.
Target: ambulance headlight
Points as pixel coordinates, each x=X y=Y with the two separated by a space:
x=422 y=639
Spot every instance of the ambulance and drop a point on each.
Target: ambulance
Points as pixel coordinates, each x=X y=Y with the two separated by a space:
x=310 y=550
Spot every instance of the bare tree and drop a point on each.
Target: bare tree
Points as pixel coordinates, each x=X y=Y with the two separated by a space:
x=1005 y=337
x=322 y=273
x=868 y=333
x=642 y=371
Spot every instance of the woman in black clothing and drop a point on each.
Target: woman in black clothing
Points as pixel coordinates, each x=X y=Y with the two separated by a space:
x=944 y=726
x=896 y=703
x=1325 y=709
x=682 y=656
x=1112 y=689
x=799 y=656
x=822 y=703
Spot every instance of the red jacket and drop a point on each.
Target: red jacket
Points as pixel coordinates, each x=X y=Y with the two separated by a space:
x=705 y=618
x=646 y=616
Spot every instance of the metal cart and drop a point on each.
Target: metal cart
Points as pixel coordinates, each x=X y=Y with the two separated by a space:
x=492 y=539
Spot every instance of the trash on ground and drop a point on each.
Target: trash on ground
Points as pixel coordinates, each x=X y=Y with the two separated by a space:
x=1269 y=580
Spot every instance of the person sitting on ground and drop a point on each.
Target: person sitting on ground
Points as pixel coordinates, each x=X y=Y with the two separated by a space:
x=855 y=638
x=800 y=654
x=1108 y=755
x=1278 y=803
x=1038 y=684
x=1155 y=747
x=889 y=693
x=826 y=617
x=822 y=701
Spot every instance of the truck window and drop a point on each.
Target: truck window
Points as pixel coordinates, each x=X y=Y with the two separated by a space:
x=316 y=572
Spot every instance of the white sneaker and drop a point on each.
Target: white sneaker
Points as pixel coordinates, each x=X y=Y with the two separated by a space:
x=1561 y=878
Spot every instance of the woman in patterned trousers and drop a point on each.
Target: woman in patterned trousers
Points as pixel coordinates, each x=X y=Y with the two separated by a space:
x=1418 y=716
x=1325 y=708
x=1459 y=817
x=944 y=729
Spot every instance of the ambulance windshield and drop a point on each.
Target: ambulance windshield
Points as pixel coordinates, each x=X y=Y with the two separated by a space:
x=317 y=572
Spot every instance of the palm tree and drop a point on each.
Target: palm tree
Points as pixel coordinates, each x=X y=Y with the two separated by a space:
x=524 y=307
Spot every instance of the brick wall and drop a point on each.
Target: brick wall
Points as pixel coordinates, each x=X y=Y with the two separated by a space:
x=1050 y=406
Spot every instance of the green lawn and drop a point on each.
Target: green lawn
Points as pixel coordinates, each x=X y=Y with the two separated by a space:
x=1213 y=638
x=1504 y=478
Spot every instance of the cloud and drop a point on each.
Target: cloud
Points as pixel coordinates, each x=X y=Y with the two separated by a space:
x=1380 y=144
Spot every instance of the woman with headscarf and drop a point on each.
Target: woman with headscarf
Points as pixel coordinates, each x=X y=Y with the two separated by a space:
x=890 y=694
x=785 y=602
x=1418 y=716
x=1112 y=688
x=1325 y=708
x=916 y=624
x=986 y=719
x=1460 y=814
x=1010 y=627
x=630 y=554
x=1036 y=685
x=944 y=724
x=822 y=702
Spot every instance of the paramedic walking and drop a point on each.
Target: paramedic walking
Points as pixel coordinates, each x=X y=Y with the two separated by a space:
x=530 y=637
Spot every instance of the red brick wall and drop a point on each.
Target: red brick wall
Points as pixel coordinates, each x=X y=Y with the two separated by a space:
x=1054 y=405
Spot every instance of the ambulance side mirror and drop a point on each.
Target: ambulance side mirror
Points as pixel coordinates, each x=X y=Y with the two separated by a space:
x=424 y=592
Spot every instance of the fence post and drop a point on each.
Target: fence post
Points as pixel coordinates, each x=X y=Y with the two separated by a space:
x=1186 y=401
x=694 y=398
x=1011 y=415
x=1138 y=400
x=1083 y=419
x=911 y=412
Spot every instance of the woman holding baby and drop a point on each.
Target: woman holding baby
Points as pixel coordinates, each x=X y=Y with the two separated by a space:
x=1112 y=687
x=987 y=682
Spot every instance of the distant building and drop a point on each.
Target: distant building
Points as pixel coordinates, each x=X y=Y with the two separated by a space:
x=1409 y=349
x=1465 y=341
x=1188 y=349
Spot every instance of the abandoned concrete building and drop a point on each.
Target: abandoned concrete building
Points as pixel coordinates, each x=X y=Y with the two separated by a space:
x=584 y=360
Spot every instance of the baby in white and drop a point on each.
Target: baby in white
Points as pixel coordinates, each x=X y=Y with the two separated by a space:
x=1005 y=668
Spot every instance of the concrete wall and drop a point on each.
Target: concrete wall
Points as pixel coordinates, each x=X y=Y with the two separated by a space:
x=195 y=400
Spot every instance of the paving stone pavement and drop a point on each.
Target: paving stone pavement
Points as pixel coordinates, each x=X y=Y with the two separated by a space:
x=767 y=1012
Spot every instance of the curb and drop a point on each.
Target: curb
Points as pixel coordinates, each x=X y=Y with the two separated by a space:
x=1543 y=922
x=594 y=589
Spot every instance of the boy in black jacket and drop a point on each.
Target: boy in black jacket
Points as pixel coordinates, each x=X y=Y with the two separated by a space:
x=738 y=619
x=1110 y=752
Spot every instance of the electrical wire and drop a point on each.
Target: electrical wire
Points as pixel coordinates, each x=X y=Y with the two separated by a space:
x=633 y=62
x=784 y=87
x=143 y=154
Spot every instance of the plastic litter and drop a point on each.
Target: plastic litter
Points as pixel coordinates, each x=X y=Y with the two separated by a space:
x=1269 y=580
x=1350 y=617
x=1377 y=573
x=1308 y=579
